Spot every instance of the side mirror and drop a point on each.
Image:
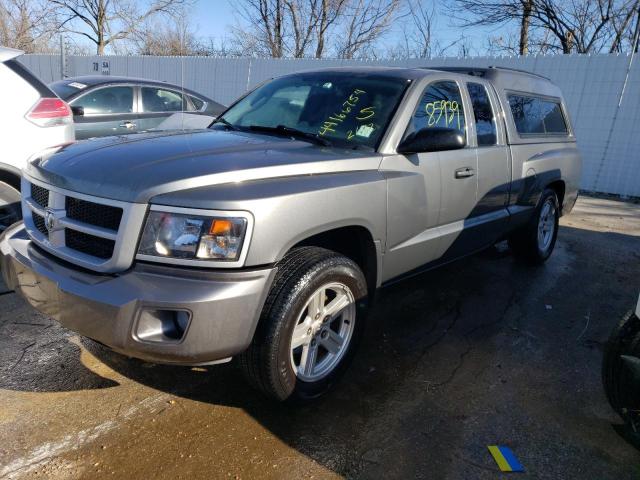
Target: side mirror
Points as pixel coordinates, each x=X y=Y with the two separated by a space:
x=77 y=111
x=434 y=139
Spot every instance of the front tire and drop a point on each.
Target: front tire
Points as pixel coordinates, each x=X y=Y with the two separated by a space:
x=310 y=325
x=535 y=242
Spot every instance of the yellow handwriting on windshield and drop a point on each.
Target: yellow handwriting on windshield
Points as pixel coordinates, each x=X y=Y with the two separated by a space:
x=366 y=113
x=330 y=124
x=447 y=109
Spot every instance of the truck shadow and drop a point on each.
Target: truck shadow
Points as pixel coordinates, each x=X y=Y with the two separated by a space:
x=379 y=398
x=428 y=367
x=429 y=344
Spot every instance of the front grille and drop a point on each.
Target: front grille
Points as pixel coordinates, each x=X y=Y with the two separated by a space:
x=97 y=214
x=93 y=232
x=89 y=244
x=40 y=195
x=39 y=222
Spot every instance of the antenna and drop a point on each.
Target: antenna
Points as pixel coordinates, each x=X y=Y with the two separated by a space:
x=182 y=82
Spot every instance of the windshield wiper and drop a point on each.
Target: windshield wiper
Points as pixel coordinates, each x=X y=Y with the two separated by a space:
x=225 y=122
x=292 y=132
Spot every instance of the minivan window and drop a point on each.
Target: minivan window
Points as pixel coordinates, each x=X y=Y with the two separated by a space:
x=106 y=100
x=440 y=107
x=342 y=108
x=483 y=114
x=537 y=116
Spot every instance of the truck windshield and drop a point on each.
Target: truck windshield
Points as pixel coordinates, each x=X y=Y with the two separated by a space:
x=340 y=108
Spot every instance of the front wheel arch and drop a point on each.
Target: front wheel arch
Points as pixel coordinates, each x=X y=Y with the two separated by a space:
x=354 y=242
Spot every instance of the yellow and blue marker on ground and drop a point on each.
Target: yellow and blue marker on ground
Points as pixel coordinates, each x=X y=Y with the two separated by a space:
x=506 y=460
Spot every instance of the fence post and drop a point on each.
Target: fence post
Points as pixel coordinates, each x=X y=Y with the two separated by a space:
x=63 y=58
x=249 y=75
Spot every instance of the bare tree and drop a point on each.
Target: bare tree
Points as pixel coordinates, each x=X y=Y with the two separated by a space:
x=418 y=36
x=27 y=25
x=104 y=22
x=496 y=12
x=263 y=32
x=580 y=26
x=527 y=6
x=174 y=36
x=621 y=24
x=366 y=21
x=330 y=12
x=280 y=28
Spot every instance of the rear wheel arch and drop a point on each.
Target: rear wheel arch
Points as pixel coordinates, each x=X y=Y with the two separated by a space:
x=559 y=187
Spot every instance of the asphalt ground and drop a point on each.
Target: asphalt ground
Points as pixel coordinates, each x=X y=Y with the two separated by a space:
x=485 y=351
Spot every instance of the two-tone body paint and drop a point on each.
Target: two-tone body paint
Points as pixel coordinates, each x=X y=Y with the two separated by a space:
x=415 y=209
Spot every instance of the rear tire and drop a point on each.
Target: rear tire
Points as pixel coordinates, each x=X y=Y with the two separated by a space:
x=304 y=342
x=10 y=208
x=535 y=242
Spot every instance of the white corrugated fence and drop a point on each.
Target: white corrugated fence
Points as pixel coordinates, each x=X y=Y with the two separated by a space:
x=608 y=130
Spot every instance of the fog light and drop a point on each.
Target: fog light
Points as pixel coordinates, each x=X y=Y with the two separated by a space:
x=162 y=326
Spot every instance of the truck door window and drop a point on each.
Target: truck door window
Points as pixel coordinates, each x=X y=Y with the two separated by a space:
x=483 y=114
x=440 y=107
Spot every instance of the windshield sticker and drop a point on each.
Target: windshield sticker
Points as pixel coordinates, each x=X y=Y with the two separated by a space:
x=449 y=109
x=365 y=130
x=77 y=85
x=327 y=85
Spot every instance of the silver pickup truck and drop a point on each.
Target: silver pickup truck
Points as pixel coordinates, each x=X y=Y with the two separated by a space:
x=265 y=236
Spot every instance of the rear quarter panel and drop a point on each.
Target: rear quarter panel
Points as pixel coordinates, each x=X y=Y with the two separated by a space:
x=536 y=165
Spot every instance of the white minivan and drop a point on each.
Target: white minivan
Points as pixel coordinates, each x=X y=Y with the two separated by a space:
x=33 y=119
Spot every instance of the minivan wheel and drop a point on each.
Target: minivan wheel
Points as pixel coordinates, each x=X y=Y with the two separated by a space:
x=535 y=242
x=10 y=209
x=310 y=325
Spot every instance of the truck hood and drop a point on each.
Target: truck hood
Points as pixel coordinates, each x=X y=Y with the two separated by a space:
x=135 y=168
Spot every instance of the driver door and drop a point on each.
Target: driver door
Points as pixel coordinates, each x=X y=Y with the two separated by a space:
x=429 y=226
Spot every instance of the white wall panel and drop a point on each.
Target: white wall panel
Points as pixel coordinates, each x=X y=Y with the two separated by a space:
x=608 y=135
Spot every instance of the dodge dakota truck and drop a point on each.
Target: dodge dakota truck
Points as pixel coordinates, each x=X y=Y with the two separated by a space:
x=265 y=236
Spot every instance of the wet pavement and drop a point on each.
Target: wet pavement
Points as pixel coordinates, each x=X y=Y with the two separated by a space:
x=483 y=351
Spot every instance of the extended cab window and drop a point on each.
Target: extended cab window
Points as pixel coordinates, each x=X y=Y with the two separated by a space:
x=106 y=100
x=483 y=114
x=440 y=107
x=537 y=116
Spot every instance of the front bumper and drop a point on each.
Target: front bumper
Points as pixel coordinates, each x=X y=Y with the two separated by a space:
x=224 y=307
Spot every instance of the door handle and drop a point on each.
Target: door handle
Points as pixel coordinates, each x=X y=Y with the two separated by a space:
x=465 y=172
x=127 y=125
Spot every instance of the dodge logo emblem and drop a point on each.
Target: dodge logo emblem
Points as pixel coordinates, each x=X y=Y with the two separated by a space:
x=49 y=220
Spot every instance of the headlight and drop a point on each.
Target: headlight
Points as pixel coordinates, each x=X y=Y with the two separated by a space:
x=192 y=237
